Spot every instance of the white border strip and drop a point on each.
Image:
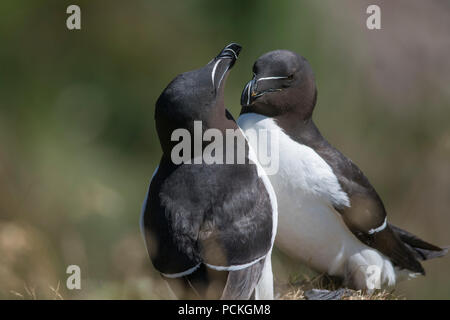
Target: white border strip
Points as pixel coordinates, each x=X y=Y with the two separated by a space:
x=218 y=268
x=380 y=228
x=235 y=267
x=267 y=184
x=181 y=274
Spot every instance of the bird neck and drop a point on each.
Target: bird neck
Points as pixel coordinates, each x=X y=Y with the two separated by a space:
x=302 y=130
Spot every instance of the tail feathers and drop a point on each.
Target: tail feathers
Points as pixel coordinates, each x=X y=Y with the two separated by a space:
x=389 y=243
x=241 y=283
x=424 y=254
x=421 y=249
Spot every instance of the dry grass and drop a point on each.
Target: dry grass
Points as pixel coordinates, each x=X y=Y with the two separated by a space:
x=29 y=293
x=296 y=290
x=378 y=295
x=294 y=294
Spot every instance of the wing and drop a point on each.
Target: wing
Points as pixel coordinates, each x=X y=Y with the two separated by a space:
x=228 y=209
x=366 y=213
x=214 y=215
x=205 y=283
x=164 y=252
x=241 y=284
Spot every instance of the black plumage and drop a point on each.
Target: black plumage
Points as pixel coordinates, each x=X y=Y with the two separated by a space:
x=208 y=227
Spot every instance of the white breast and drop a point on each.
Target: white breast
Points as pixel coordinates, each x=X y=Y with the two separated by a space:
x=308 y=226
x=301 y=168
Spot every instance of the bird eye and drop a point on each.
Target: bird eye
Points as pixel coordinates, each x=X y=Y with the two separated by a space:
x=290 y=77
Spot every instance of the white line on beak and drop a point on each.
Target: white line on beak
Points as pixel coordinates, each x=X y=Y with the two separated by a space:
x=213 y=73
x=248 y=93
x=229 y=49
x=271 y=78
x=223 y=75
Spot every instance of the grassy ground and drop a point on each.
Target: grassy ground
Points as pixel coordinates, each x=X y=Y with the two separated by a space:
x=296 y=291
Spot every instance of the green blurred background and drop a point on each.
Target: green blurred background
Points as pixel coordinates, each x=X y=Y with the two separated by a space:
x=78 y=143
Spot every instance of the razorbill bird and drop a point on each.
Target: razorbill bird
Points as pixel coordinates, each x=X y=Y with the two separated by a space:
x=330 y=216
x=208 y=228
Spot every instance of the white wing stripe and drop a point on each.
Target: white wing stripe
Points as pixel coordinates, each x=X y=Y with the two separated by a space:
x=271 y=78
x=218 y=268
x=181 y=274
x=235 y=267
x=380 y=228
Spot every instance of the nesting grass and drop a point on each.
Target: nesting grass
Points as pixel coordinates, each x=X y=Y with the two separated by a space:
x=296 y=290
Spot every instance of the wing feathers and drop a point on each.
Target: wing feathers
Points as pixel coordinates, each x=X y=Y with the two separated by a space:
x=423 y=249
x=390 y=244
x=241 y=284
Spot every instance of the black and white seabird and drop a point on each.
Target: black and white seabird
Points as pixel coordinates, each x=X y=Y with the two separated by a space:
x=330 y=216
x=209 y=228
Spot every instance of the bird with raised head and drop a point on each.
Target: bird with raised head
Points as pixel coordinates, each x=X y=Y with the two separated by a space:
x=209 y=228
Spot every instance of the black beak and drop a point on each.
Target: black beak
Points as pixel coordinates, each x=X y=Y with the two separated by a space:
x=223 y=62
x=248 y=94
x=231 y=51
x=258 y=87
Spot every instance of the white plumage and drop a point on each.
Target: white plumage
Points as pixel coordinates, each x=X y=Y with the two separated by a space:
x=307 y=189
